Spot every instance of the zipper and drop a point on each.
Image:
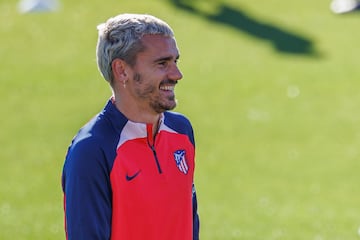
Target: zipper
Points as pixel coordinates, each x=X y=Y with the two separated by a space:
x=151 y=143
x=156 y=158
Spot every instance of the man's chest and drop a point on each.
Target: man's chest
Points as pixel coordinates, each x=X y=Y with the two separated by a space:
x=166 y=167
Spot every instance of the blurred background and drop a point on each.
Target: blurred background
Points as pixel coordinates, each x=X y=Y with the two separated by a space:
x=271 y=87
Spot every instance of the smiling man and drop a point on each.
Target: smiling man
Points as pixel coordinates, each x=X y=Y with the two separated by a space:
x=129 y=172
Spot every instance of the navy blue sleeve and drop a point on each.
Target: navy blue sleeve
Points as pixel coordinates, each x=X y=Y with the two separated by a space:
x=196 y=221
x=87 y=192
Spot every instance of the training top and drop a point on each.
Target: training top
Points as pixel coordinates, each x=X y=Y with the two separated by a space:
x=120 y=183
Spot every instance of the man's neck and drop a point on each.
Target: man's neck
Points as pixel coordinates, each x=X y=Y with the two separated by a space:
x=137 y=114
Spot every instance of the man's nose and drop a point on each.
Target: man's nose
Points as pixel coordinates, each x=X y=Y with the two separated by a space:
x=175 y=73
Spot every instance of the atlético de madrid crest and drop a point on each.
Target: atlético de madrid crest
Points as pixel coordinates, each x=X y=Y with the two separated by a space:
x=179 y=157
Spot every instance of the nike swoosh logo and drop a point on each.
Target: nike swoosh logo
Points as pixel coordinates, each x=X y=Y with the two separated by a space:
x=129 y=178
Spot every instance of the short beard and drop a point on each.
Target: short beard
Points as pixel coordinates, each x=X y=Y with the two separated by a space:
x=159 y=107
x=155 y=103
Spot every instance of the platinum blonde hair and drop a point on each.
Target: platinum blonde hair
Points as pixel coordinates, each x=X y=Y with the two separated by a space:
x=120 y=37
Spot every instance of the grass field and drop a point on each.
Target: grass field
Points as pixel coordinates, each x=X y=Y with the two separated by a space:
x=271 y=87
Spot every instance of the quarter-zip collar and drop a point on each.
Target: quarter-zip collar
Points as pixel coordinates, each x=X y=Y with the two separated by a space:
x=117 y=119
x=151 y=132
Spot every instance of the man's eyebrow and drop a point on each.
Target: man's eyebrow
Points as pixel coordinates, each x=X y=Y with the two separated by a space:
x=169 y=58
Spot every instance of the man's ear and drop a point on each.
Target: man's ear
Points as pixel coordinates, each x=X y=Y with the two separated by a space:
x=119 y=68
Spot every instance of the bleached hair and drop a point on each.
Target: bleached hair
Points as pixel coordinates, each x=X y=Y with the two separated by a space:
x=120 y=37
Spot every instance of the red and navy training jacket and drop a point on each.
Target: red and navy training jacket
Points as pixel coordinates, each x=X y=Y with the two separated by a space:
x=120 y=184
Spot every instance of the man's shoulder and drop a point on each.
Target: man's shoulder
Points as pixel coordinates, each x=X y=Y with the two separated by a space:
x=98 y=133
x=176 y=117
x=179 y=123
x=93 y=143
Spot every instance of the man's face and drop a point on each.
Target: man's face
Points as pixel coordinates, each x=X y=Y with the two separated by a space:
x=155 y=74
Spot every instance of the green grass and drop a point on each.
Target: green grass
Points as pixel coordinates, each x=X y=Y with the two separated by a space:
x=277 y=133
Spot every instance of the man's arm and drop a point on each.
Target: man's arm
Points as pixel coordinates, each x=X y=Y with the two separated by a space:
x=196 y=221
x=87 y=193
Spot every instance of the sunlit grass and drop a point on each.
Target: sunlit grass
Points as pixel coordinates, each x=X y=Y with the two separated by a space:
x=277 y=134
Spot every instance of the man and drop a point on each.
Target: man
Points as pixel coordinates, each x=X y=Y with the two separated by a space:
x=128 y=174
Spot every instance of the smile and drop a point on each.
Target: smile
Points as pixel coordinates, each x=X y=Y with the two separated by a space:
x=167 y=88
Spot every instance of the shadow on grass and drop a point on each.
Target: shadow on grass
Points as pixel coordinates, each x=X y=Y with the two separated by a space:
x=283 y=41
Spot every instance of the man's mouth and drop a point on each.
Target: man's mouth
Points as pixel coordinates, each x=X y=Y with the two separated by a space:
x=167 y=87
